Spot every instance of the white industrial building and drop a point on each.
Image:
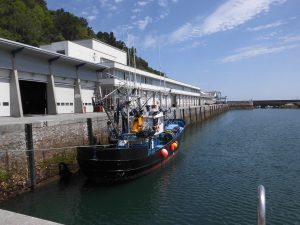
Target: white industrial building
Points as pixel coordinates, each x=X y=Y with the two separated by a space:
x=64 y=76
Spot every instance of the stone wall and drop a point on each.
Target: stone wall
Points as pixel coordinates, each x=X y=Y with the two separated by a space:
x=53 y=142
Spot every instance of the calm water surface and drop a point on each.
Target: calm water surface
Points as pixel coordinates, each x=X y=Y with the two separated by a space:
x=212 y=181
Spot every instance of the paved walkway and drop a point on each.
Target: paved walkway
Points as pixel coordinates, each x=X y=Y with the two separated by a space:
x=11 y=218
x=48 y=118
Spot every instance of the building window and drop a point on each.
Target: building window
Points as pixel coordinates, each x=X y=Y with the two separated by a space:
x=58 y=103
x=71 y=103
x=63 y=52
x=5 y=103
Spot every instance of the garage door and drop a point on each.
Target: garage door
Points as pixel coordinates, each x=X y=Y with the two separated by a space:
x=87 y=95
x=4 y=97
x=64 y=98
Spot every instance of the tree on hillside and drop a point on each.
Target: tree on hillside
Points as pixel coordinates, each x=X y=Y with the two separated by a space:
x=71 y=27
x=110 y=39
x=26 y=22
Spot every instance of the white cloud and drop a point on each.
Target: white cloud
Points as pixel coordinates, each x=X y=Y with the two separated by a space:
x=193 y=45
x=252 y=51
x=267 y=26
x=290 y=38
x=95 y=10
x=164 y=14
x=268 y=36
x=91 y=18
x=150 y=41
x=142 y=24
x=226 y=17
x=163 y=3
x=108 y=4
x=103 y=3
x=136 y=10
x=143 y=3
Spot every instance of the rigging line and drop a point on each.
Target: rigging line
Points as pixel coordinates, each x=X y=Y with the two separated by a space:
x=118 y=78
x=112 y=92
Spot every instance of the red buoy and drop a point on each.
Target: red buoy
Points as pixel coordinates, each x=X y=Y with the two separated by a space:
x=164 y=152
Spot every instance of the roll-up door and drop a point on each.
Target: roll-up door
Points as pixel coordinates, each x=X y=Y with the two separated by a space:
x=87 y=92
x=64 y=98
x=4 y=97
x=32 y=77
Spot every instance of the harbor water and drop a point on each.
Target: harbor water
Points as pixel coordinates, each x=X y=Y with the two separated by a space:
x=213 y=180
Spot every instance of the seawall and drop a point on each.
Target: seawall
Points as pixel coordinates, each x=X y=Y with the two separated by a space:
x=30 y=151
x=241 y=104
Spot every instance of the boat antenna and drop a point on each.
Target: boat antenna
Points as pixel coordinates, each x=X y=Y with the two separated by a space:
x=129 y=60
x=159 y=65
x=134 y=64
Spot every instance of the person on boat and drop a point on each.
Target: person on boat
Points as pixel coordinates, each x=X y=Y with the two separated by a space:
x=137 y=122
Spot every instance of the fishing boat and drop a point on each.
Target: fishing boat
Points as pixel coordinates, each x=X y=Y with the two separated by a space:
x=134 y=154
x=151 y=142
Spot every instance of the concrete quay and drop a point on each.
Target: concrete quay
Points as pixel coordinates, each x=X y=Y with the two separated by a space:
x=12 y=218
x=49 y=119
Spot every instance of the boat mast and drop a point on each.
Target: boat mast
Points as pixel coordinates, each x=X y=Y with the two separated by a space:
x=128 y=87
x=134 y=64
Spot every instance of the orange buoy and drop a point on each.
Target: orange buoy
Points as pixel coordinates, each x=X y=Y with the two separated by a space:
x=172 y=146
x=164 y=152
x=175 y=145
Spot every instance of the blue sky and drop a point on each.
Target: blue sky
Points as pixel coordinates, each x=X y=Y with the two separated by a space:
x=247 y=49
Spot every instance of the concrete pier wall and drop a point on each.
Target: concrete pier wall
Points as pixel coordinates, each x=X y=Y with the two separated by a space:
x=27 y=162
x=12 y=218
x=241 y=104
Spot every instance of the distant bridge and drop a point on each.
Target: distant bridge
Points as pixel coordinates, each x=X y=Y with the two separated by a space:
x=274 y=103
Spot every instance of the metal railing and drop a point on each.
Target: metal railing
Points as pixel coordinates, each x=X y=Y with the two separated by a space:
x=261 y=205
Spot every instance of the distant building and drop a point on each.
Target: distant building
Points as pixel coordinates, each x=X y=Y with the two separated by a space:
x=64 y=76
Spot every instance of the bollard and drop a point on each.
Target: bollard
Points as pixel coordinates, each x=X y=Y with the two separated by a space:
x=90 y=131
x=30 y=155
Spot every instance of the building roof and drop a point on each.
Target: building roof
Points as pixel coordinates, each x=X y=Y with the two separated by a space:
x=13 y=46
